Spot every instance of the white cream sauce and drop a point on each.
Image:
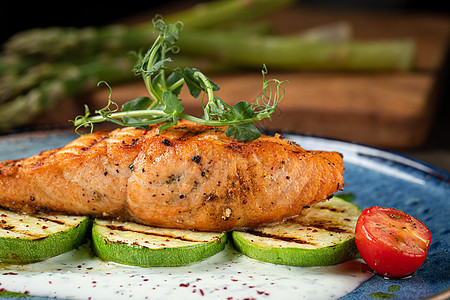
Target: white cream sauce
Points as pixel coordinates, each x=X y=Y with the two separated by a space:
x=78 y=274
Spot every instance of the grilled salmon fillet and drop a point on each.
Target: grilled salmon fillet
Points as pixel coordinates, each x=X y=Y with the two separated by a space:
x=190 y=176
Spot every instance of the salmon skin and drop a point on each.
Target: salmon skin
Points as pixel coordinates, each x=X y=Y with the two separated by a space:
x=189 y=176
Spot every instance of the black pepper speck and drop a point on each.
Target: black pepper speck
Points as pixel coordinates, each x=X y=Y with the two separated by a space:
x=196 y=159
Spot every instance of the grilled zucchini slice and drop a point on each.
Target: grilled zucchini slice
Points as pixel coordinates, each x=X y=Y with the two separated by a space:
x=145 y=246
x=30 y=238
x=321 y=235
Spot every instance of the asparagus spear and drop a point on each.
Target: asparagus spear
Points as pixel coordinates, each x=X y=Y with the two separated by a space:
x=66 y=43
x=219 y=12
x=13 y=84
x=69 y=43
x=70 y=81
x=294 y=53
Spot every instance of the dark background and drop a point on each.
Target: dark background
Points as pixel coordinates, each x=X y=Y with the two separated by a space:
x=21 y=16
x=17 y=17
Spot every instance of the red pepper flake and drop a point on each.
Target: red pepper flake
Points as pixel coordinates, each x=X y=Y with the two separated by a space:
x=201 y=292
x=10 y=273
x=263 y=293
x=184 y=284
x=44 y=227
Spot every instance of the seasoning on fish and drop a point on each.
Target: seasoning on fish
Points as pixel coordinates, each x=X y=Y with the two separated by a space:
x=190 y=176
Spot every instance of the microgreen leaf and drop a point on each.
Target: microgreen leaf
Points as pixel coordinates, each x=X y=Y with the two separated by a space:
x=136 y=104
x=243 y=132
x=156 y=67
x=195 y=84
x=192 y=84
x=217 y=107
x=240 y=111
x=171 y=35
x=172 y=103
x=167 y=125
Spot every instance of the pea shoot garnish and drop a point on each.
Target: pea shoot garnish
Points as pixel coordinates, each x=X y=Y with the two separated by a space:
x=164 y=85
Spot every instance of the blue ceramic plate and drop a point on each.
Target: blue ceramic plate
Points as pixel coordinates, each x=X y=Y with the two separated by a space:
x=373 y=176
x=383 y=178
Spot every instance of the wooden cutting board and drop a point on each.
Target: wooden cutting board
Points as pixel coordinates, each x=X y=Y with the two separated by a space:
x=391 y=110
x=384 y=110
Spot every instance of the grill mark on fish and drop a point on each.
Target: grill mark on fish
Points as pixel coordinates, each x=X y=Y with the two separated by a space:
x=94 y=142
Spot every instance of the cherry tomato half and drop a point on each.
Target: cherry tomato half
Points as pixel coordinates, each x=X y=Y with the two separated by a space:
x=392 y=242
